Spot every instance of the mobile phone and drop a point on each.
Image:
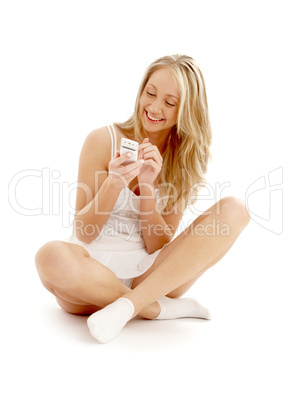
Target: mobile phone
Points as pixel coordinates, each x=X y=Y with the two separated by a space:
x=131 y=146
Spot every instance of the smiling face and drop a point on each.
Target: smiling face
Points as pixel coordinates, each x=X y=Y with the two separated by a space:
x=158 y=106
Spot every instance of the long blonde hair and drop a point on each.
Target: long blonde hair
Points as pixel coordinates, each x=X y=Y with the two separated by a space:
x=187 y=153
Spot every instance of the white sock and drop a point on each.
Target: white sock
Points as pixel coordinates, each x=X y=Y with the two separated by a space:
x=107 y=323
x=181 y=308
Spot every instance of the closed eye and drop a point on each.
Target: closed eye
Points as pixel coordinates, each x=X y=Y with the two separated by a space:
x=170 y=104
x=151 y=94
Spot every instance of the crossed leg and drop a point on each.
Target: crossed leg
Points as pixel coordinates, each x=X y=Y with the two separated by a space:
x=82 y=285
x=195 y=250
x=177 y=266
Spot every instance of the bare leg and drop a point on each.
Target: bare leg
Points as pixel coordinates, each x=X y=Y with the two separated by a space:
x=191 y=254
x=177 y=267
x=81 y=284
x=163 y=255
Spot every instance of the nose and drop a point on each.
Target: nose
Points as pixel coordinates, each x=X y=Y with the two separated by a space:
x=155 y=106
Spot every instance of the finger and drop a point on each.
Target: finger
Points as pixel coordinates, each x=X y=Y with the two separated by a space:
x=117 y=161
x=147 y=154
x=128 y=172
x=154 y=166
x=133 y=165
x=144 y=145
x=133 y=173
x=149 y=147
x=151 y=151
x=117 y=154
x=124 y=157
x=150 y=162
x=144 y=148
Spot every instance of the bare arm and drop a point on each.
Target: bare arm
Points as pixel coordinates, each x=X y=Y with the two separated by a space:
x=157 y=229
x=100 y=182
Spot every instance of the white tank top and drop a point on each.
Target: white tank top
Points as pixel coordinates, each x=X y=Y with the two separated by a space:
x=120 y=245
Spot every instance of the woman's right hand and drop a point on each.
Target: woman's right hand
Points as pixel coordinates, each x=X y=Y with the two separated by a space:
x=121 y=175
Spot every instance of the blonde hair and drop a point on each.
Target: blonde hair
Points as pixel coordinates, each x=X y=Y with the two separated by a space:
x=187 y=153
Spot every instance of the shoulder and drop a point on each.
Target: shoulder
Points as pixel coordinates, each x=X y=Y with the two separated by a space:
x=97 y=146
x=99 y=136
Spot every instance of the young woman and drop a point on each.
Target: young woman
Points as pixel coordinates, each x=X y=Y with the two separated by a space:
x=121 y=259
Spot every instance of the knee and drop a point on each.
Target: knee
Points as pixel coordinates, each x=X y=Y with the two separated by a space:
x=76 y=309
x=235 y=211
x=49 y=259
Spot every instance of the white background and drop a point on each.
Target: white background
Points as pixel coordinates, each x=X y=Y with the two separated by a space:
x=68 y=67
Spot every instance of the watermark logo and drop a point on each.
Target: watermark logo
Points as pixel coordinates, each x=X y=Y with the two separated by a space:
x=264 y=200
x=49 y=195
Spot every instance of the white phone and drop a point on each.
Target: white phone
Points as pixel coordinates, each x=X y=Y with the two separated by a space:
x=131 y=146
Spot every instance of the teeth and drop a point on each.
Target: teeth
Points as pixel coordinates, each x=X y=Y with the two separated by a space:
x=152 y=118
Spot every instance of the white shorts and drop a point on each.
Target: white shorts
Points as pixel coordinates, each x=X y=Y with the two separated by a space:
x=127 y=282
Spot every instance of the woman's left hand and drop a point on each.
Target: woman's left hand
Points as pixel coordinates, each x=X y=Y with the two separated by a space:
x=152 y=162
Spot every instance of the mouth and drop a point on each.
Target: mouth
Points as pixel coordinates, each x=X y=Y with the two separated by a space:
x=152 y=119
